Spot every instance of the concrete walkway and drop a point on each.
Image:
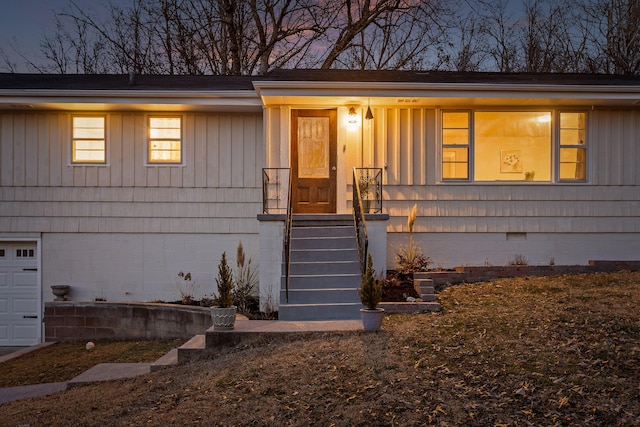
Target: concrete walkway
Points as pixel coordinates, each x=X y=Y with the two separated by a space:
x=113 y=371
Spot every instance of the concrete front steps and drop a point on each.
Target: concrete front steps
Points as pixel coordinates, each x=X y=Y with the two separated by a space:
x=324 y=270
x=248 y=331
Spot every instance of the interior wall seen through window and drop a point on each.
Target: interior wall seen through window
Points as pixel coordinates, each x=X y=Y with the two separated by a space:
x=512 y=146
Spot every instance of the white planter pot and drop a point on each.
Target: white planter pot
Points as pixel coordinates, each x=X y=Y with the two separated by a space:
x=372 y=319
x=223 y=317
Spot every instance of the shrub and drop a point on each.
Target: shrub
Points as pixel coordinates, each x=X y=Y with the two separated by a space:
x=246 y=281
x=411 y=259
x=186 y=287
x=224 y=281
x=370 y=287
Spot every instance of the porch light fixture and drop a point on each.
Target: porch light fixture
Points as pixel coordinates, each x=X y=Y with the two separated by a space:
x=353 y=116
x=369 y=114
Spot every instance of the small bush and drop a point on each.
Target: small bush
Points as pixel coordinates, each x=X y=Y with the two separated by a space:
x=186 y=287
x=370 y=287
x=246 y=281
x=519 y=259
x=411 y=259
x=224 y=282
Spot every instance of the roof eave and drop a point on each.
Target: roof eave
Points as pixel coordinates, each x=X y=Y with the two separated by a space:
x=245 y=100
x=272 y=90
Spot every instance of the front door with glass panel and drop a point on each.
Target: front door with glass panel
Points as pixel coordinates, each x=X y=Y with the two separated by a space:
x=313 y=161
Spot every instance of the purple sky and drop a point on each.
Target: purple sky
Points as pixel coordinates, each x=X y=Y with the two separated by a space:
x=24 y=22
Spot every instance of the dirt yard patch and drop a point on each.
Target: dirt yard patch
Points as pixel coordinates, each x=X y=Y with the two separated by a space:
x=62 y=361
x=558 y=351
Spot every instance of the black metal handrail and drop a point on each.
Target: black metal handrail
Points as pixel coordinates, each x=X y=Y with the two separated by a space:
x=362 y=239
x=287 y=241
x=369 y=181
x=273 y=179
x=273 y=203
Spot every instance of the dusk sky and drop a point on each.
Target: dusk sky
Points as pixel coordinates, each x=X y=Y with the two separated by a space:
x=23 y=23
x=27 y=21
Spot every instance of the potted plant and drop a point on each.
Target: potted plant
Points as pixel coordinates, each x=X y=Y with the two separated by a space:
x=223 y=312
x=365 y=183
x=370 y=295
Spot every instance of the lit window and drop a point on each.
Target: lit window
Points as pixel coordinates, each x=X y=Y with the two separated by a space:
x=455 y=145
x=490 y=146
x=89 y=140
x=165 y=140
x=573 y=148
x=512 y=146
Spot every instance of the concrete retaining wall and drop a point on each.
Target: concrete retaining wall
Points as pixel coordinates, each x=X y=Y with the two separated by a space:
x=484 y=274
x=70 y=320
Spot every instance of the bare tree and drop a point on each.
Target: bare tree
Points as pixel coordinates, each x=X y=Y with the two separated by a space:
x=548 y=41
x=405 y=37
x=461 y=51
x=498 y=29
x=245 y=37
x=349 y=19
x=613 y=27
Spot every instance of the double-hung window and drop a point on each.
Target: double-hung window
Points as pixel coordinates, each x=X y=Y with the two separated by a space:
x=89 y=140
x=455 y=145
x=573 y=146
x=165 y=140
x=494 y=146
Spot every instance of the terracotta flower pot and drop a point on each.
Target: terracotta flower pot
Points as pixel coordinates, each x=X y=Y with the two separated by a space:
x=372 y=319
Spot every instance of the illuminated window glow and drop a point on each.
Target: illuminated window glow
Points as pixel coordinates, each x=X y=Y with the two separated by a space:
x=573 y=148
x=455 y=145
x=490 y=146
x=165 y=140
x=88 y=136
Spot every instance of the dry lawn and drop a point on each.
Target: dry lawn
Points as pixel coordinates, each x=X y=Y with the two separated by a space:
x=64 y=361
x=559 y=351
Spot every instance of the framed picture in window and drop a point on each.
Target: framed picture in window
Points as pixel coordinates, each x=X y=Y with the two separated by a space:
x=510 y=161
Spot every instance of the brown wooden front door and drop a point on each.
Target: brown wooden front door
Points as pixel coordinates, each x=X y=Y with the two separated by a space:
x=313 y=160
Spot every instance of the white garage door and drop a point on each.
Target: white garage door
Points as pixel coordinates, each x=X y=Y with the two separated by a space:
x=19 y=302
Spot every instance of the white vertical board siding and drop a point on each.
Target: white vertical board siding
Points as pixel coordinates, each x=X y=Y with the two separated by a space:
x=199 y=151
x=615 y=138
x=19 y=150
x=6 y=151
x=609 y=204
x=400 y=144
x=216 y=189
x=611 y=194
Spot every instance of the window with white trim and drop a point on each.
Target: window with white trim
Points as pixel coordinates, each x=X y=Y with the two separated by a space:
x=89 y=140
x=494 y=146
x=455 y=145
x=573 y=146
x=165 y=140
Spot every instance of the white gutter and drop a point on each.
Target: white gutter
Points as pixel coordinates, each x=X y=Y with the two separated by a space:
x=130 y=97
x=447 y=90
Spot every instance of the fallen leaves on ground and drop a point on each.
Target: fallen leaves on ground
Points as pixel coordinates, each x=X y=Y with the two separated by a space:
x=556 y=351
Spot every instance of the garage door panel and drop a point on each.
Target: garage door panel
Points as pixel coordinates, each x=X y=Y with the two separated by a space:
x=24 y=280
x=28 y=306
x=20 y=323
x=24 y=333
